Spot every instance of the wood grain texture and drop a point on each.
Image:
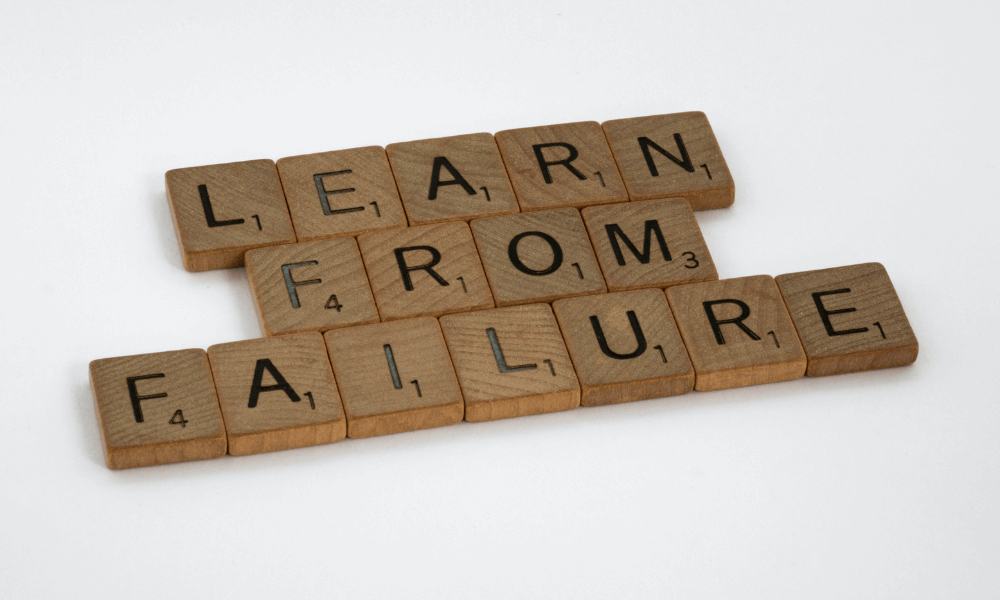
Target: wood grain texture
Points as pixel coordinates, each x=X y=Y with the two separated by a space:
x=697 y=172
x=754 y=340
x=548 y=245
x=221 y=211
x=636 y=362
x=140 y=422
x=442 y=179
x=331 y=293
x=414 y=389
x=575 y=166
x=453 y=280
x=528 y=372
x=356 y=186
x=656 y=243
x=848 y=319
x=277 y=393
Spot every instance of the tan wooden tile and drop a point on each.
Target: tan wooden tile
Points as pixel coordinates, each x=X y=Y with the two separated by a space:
x=511 y=362
x=157 y=408
x=656 y=243
x=429 y=270
x=625 y=346
x=345 y=192
x=452 y=178
x=561 y=165
x=312 y=286
x=277 y=393
x=737 y=332
x=395 y=377
x=221 y=211
x=671 y=156
x=537 y=257
x=848 y=319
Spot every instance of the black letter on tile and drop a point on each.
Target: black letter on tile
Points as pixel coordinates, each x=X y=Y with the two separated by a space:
x=291 y=284
x=133 y=393
x=738 y=321
x=279 y=382
x=456 y=178
x=206 y=204
x=501 y=359
x=640 y=339
x=652 y=227
x=545 y=164
x=824 y=314
x=405 y=269
x=324 y=194
x=557 y=253
x=645 y=143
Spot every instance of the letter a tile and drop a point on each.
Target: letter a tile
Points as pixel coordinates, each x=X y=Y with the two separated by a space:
x=157 y=408
x=656 y=243
x=737 y=332
x=277 y=393
x=849 y=319
x=313 y=286
x=395 y=377
x=561 y=165
x=671 y=156
x=511 y=362
x=625 y=346
x=221 y=211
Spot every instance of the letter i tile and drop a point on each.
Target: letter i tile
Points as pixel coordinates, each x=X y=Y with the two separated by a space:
x=625 y=346
x=511 y=362
x=277 y=393
x=737 y=332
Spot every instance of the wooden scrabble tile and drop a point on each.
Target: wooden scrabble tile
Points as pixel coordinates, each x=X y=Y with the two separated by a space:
x=452 y=178
x=312 y=286
x=157 y=408
x=427 y=270
x=221 y=211
x=737 y=332
x=656 y=243
x=345 y=192
x=537 y=257
x=277 y=393
x=671 y=156
x=511 y=362
x=395 y=377
x=849 y=319
x=561 y=165
x=625 y=346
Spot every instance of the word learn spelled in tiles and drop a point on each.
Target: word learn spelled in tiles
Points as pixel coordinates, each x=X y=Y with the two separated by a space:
x=477 y=277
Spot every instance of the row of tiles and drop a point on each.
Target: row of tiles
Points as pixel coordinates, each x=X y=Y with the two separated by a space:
x=432 y=270
x=222 y=211
x=304 y=389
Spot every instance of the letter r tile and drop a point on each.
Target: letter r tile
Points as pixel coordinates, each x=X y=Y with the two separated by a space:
x=312 y=286
x=849 y=319
x=737 y=332
x=511 y=362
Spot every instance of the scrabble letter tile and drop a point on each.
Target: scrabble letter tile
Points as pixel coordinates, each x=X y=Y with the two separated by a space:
x=453 y=178
x=277 y=393
x=346 y=192
x=395 y=377
x=671 y=156
x=737 y=332
x=221 y=211
x=537 y=257
x=511 y=362
x=849 y=319
x=561 y=165
x=656 y=243
x=427 y=270
x=157 y=408
x=313 y=286
x=625 y=346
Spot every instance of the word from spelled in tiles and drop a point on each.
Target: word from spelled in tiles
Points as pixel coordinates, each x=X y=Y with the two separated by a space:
x=477 y=277
x=277 y=393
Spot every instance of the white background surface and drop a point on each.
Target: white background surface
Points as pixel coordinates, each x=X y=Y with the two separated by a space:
x=855 y=132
